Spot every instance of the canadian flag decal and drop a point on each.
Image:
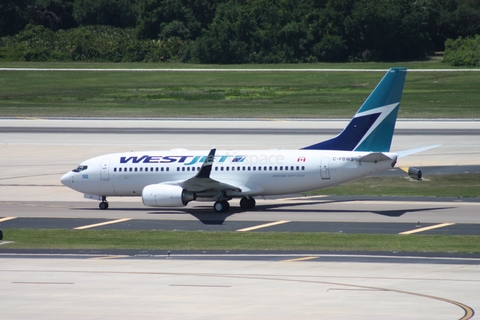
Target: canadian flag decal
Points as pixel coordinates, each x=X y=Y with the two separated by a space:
x=301 y=159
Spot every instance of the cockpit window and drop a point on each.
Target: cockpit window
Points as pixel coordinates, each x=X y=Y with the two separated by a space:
x=80 y=168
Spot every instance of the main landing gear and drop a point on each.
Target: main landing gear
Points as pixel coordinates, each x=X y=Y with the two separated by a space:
x=104 y=204
x=224 y=206
x=247 y=203
x=221 y=206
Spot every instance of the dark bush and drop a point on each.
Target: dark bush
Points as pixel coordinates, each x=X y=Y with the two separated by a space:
x=463 y=52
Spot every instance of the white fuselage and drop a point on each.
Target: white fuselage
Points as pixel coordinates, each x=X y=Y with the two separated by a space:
x=256 y=172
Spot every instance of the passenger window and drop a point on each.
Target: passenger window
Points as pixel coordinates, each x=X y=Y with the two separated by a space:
x=303 y=167
x=136 y=169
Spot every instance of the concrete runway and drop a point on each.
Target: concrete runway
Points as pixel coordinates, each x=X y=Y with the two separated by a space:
x=307 y=286
x=100 y=287
x=115 y=287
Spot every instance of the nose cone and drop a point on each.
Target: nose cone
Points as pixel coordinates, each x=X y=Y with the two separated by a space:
x=67 y=179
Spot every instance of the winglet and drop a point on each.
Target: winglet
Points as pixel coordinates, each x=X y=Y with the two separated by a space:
x=206 y=168
x=202 y=181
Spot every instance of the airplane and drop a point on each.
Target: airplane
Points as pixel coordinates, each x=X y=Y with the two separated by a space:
x=176 y=177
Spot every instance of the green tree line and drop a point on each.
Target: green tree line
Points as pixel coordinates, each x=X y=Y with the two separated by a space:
x=233 y=31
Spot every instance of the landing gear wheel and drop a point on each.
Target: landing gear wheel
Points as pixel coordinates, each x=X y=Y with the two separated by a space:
x=221 y=206
x=103 y=205
x=247 y=203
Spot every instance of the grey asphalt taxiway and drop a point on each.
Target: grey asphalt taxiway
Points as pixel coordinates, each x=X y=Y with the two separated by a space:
x=217 y=285
x=301 y=214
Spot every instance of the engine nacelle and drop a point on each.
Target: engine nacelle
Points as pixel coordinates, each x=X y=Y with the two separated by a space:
x=164 y=195
x=415 y=173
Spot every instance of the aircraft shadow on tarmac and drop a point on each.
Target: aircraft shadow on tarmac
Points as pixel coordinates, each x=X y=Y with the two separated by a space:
x=387 y=213
x=206 y=216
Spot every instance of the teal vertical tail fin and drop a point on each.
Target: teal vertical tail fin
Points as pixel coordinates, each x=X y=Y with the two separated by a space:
x=371 y=129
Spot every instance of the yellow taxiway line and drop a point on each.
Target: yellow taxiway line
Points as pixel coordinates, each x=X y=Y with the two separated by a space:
x=102 y=224
x=427 y=228
x=299 y=259
x=264 y=225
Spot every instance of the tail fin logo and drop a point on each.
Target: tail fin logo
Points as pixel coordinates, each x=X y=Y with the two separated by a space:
x=371 y=129
x=379 y=135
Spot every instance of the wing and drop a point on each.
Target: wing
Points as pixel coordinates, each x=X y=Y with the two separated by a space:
x=202 y=181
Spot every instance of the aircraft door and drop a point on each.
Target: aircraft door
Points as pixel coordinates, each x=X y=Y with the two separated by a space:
x=325 y=168
x=104 y=170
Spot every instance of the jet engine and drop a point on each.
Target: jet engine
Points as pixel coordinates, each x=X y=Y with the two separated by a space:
x=164 y=195
x=415 y=173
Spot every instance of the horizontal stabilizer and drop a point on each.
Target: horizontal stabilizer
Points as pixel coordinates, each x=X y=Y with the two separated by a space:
x=405 y=153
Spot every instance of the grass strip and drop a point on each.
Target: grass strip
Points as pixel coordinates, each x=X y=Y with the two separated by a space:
x=439 y=185
x=228 y=94
x=196 y=240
